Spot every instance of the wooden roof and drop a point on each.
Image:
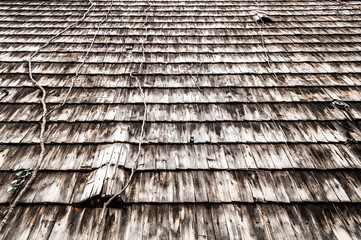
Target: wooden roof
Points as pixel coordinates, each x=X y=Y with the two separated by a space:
x=242 y=137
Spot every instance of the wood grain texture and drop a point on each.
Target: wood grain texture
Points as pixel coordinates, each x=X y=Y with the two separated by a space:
x=191 y=221
x=241 y=140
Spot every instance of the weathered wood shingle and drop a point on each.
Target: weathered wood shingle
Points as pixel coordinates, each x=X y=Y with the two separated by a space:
x=242 y=138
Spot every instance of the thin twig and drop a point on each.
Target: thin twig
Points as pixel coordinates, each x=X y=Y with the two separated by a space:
x=43 y=122
x=141 y=136
x=42 y=153
x=268 y=60
x=84 y=58
x=194 y=79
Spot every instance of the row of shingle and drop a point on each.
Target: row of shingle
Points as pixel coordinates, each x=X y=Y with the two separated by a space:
x=240 y=186
x=196 y=67
x=281 y=19
x=107 y=56
x=182 y=112
x=201 y=32
x=186 y=95
x=184 y=39
x=116 y=23
x=63 y=157
x=188 y=221
x=183 y=4
x=303 y=81
x=285 y=48
x=192 y=186
x=177 y=2
x=176 y=10
x=212 y=132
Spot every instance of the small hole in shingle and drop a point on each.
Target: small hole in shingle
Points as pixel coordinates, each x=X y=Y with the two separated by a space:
x=5 y=91
x=262 y=18
x=339 y=104
x=129 y=47
x=350 y=142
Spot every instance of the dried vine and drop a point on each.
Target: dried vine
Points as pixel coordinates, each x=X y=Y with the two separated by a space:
x=43 y=122
x=268 y=60
x=195 y=79
x=84 y=58
x=141 y=136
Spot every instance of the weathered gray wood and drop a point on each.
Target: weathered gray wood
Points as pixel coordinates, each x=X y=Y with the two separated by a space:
x=256 y=98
